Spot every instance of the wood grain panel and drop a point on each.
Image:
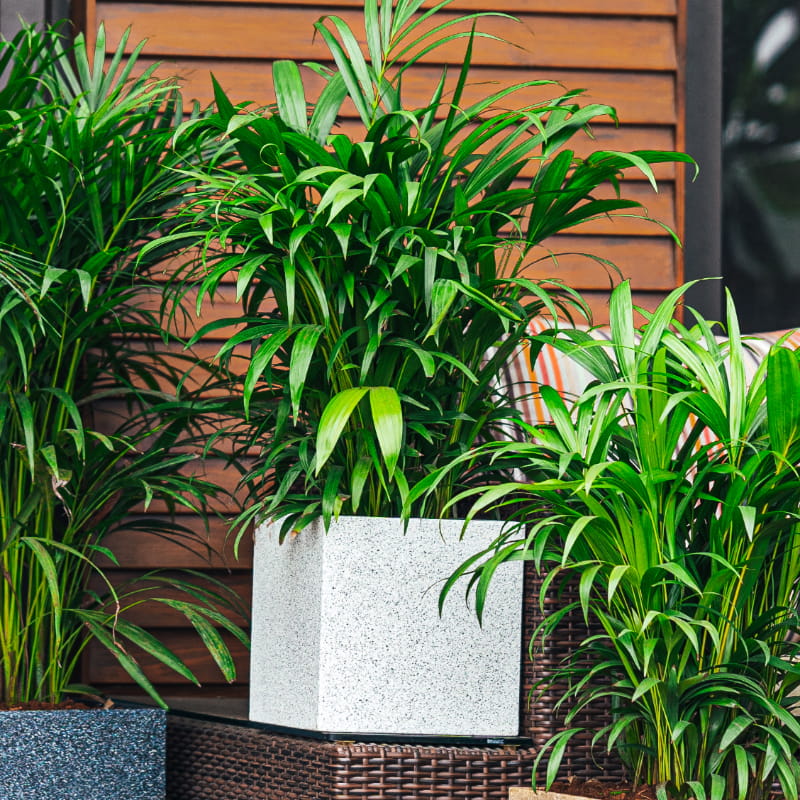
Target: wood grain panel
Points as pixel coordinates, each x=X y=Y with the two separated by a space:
x=205 y=351
x=271 y=32
x=213 y=549
x=643 y=8
x=157 y=615
x=100 y=667
x=658 y=205
x=221 y=474
x=598 y=303
x=647 y=98
x=650 y=263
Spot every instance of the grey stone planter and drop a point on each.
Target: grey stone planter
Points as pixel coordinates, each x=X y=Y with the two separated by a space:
x=347 y=636
x=113 y=754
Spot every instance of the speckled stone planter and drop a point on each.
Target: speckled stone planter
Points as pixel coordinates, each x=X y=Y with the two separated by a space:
x=347 y=636
x=113 y=754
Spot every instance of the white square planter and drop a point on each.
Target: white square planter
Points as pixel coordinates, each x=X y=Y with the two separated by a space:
x=347 y=636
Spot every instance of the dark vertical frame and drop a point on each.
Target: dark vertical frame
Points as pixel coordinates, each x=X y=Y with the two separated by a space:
x=56 y=10
x=703 y=109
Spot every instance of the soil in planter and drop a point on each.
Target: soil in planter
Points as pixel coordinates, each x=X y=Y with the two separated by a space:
x=604 y=791
x=35 y=705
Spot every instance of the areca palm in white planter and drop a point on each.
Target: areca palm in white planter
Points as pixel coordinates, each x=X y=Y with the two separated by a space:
x=381 y=280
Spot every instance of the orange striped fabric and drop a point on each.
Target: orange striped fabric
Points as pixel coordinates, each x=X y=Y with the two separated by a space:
x=554 y=368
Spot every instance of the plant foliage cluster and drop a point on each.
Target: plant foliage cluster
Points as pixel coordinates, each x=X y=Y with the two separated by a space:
x=668 y=494
x=384 y=281
x=383 y=277
x=87 y=175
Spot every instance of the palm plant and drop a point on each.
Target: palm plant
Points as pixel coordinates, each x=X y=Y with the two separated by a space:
x=87 y=174
x=668 y=494
x=381 y=279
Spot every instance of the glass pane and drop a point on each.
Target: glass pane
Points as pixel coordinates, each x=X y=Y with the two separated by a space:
x=761 y=161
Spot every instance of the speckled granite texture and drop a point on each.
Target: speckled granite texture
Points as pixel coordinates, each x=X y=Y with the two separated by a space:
x=115 y=754
x=347 y=635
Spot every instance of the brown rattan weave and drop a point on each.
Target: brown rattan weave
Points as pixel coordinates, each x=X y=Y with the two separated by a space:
x=538 y=720
x=214 y=760
x=211 y=759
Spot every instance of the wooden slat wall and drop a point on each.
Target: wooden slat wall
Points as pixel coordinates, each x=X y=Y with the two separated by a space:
x=627 y=53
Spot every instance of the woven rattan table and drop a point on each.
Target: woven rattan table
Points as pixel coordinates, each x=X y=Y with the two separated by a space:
x=227 y=761
x=217 y=758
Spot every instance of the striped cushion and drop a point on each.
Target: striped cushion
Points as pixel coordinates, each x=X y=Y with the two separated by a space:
x=554 y=368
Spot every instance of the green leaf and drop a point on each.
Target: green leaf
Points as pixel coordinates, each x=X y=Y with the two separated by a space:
x=339 y=195
x=151 y=645
x=717 y=787
x=352 y=66
x=212 y=640
x=303 y=350
x=644 y=687
x=783 y=386
x=290 y=94
x=326 y=109
x=48 y=566
x=331 y=500
x=617 y=574
x=372 y=30
x=559 y=745
x=742 y=771
x=358 y=480
x=698 y=790
x=443 y=294
x=387 y=416
x=333 y=420
x=28 y=429
x=71 y=407
x=262 y=361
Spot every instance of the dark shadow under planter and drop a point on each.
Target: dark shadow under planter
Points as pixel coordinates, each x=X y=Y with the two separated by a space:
x=93 y=754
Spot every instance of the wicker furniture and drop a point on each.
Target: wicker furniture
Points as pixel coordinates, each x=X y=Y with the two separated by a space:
x=218 y=759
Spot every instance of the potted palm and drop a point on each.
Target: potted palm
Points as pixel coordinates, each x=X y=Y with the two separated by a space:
x=87 y=173
x=667 y=493
x=383 y=292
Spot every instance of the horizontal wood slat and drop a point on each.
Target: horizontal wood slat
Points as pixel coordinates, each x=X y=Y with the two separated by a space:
x=100 y=667
x=650 y=263
x=243 y=31
x=158 y=615
x=646 y=99
x=221 y=474
x=598 y=304
x=213 y=549
x=644 y=8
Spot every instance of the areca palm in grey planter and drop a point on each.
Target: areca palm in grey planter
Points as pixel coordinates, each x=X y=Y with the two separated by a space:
x=85 y=170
